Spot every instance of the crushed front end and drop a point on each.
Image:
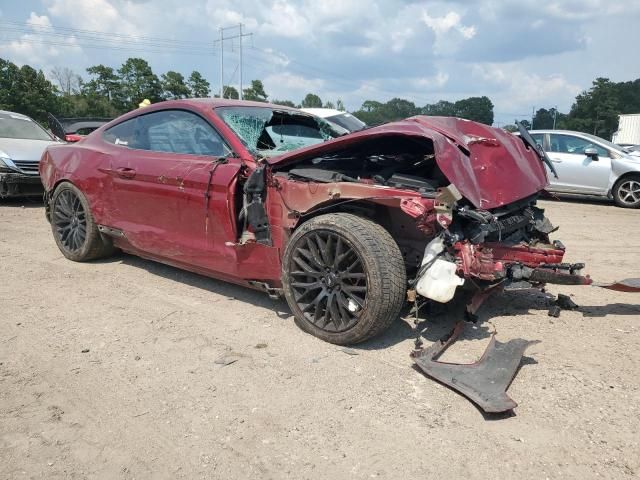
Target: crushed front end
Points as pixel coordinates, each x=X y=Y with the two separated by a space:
x=508 y=246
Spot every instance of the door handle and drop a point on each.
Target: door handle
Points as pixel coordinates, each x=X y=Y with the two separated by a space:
x=126 y=172
x=556 y=161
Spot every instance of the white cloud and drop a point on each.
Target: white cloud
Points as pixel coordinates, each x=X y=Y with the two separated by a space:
x=517 y=90
x=284 y=19
x=38 y=22
x=38 y=50
x=449 y=31
x=286 y=85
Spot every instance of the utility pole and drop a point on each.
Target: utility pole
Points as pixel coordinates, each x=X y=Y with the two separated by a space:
x=240 y=91
x=533 y=114
x=221 y=40
x=555 y=114
x=221 y=63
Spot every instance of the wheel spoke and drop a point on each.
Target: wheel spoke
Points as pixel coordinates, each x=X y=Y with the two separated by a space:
x=304 y=265
x=70 y=220
x=328 y=280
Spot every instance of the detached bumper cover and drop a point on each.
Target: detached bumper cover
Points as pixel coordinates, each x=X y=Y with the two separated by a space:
x=484 y=382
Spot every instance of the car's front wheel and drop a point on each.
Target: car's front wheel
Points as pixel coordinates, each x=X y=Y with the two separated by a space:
x=626 y=192
x=344 y=278
x=73 y=227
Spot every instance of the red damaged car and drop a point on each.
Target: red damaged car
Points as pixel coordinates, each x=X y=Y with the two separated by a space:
x=345 y=226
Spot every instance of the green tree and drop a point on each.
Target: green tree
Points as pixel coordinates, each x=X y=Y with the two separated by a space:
x=230 y=92
x=286 y=103
x=9 y=85
x=340 y=105
x=478 y=109
x=510 y=128
x=375 y=113
x=255 y=92
x=443 y=108
x=311 y=100
x=174 y=86
x=199 y=87
x=104 y=90
x=138 y=82
x=371 y=106
x=596 y=110
x=329 y=105
x=27 y=91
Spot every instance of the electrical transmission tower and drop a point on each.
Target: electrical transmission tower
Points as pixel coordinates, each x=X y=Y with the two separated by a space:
x=221 y=41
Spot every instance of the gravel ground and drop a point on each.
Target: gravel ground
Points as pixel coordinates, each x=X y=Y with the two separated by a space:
x=126 y=368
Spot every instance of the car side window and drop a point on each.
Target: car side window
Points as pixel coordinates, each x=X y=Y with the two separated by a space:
x=121 y=134
x=574 y=145
x=178 y=131
x=169 y=131
x=538 y=137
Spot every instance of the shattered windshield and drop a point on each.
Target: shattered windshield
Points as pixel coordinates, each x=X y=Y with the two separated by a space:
x=269 y=132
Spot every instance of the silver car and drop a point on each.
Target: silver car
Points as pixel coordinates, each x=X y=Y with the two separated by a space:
x=22 y=143
x=590 y=165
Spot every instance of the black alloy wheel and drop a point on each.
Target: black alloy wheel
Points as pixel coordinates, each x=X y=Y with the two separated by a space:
x=73 y=227
x=70 y=221
x=344 y=278
x=329 y=280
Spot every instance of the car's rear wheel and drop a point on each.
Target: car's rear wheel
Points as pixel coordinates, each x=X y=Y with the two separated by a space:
x=626 y=192
x=344 y=278
x=73 y=227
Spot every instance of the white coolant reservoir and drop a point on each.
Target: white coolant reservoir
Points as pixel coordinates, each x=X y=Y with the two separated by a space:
x=439 y=281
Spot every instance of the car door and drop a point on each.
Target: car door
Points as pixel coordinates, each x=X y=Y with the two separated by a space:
x=577 y=172
x=170 y=188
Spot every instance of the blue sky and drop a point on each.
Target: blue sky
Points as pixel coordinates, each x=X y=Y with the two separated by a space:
x=520 y=53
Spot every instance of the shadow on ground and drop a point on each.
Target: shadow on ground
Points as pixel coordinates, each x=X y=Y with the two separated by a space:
x=434 y=322
x=24 y=202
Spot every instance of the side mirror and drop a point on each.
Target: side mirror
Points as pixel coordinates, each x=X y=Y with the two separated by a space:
x=591 y=152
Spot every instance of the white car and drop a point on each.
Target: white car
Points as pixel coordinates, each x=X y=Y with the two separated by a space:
x=590 y=165
x=342 y=119
x=22 y=143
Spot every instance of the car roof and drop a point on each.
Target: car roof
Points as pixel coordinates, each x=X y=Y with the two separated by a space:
x=22 y=115
x=322 y=112
x=224 y=102
x=569 y=132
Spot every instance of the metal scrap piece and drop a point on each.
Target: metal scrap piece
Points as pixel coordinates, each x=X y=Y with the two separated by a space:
x=565 y=303
x=484 y=382
x=630 y=285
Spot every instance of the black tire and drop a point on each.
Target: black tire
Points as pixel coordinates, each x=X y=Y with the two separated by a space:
x=344 y=278
x=626 y=192
x=73 y=227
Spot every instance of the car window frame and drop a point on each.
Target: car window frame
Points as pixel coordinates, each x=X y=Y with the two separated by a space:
x=587 y=140
x=224 y=141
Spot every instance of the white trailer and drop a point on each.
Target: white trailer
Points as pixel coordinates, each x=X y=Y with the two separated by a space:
x=628 y=129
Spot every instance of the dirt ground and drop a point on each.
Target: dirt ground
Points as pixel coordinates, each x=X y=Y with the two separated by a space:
x=126 y=368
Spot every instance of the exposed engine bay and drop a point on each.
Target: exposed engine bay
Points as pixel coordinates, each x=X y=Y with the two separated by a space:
x=400 y=162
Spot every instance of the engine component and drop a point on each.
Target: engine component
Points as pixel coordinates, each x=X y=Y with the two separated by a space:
x=437 y=277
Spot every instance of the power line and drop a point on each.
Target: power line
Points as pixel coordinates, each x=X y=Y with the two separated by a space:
x=105 y=47
x=32 y=28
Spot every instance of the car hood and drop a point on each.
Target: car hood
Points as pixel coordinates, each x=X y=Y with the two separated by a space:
x=489 y=166
x=23 y=149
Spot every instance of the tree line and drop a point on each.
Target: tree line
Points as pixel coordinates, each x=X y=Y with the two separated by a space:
x=595 y=110
x=109 y=92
